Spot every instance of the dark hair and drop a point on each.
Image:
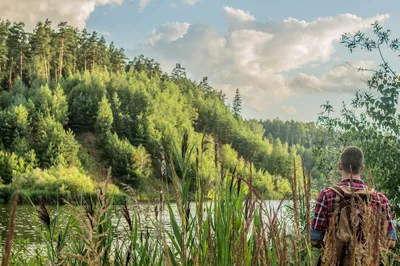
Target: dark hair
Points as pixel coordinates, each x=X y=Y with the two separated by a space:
x=352 y=159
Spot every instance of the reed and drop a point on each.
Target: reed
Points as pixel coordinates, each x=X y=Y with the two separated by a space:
x=236 y=227
x=10 y=232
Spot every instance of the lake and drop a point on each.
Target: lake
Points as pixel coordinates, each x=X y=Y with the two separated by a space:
x=28 y=227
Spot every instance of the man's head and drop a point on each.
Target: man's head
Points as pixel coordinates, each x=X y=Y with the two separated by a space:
x=352 y=160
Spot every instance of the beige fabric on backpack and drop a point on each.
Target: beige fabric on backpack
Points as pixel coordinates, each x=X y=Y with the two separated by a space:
x=344 y=231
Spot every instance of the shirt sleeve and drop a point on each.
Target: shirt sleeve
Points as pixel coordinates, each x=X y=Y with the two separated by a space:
x=389 y=217
x=319 y=223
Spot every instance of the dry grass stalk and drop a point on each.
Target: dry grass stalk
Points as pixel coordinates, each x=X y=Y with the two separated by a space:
x=273 y=231
x=294 y=244
x=329 y=256
x=295 y=201
x=182 y=212
x=284 y=255
x=307 y=194
x=10 y=232
x=89 y=234
x=233 y=242
x=210 y=242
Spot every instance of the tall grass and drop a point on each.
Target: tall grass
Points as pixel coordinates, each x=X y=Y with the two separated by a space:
x=236 y=227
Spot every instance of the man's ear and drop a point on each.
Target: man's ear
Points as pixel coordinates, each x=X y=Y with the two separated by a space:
x=340 y=166
x=362 y=167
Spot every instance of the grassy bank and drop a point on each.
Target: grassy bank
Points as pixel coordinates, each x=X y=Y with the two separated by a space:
x=7 y=194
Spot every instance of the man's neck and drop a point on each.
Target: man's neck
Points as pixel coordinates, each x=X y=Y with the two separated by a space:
x=350 y=176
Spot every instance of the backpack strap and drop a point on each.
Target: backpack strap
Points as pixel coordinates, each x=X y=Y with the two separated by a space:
x=345 y=192
x=339 y=191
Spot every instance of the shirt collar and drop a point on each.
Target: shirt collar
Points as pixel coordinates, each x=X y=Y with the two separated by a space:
x=348 y=181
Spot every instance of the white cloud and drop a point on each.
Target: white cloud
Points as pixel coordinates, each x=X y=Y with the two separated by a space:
x=345 y=77
x=143 y=4
x=254 y=56
x=107 y=33
x=289 y=110
x=76 y=12
x=168 y=32
x=190 y=2
x=237 y=14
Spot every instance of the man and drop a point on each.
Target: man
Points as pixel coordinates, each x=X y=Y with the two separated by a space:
x=351 y=165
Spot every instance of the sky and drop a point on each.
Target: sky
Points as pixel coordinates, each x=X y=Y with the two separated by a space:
x=284 y=56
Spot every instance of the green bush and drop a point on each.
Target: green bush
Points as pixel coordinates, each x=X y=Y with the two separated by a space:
x=53 y=198
x=129 y=164
x=11 y=164
x=54 y=145
x=56 y=179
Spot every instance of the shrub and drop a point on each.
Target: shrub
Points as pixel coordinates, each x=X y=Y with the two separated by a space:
x=11 y=164
x=57 y=179
x=54 y=145
x=129 y=164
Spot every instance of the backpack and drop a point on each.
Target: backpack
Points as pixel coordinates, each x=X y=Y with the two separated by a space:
x=345 y=223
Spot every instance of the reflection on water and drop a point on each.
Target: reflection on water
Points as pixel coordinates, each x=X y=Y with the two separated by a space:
x=28 y=227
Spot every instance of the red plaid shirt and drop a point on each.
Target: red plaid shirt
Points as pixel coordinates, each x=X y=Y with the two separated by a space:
x=326 y=202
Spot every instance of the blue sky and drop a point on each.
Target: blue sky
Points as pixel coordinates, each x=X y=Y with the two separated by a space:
x=284 y=56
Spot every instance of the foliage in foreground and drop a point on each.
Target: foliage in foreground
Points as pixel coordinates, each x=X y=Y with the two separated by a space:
x=235 y=228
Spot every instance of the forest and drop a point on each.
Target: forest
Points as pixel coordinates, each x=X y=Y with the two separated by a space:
x=72 y=106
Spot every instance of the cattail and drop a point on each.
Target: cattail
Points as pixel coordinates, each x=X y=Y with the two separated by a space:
x=10 y=232
x=197 y=159
x=89 y=209
x=59 y=243
x=156 y=211
x=128 y=255
x=238 y=186
x=43 y=214
x=185 y=144
x=127 y=216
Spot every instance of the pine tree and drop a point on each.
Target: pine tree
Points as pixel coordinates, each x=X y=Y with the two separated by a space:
x=66 y=49
x=83 y=50
x=104 y=117
x=117 y=58
x=41 y=46
x=205 y=86
x=17 y=48
x=237 y=104
x=92 y=53
x=178 y=72
x=3 y=46
x=102 y=55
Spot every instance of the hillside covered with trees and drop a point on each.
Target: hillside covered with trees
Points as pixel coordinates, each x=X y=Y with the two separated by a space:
x=72 y=105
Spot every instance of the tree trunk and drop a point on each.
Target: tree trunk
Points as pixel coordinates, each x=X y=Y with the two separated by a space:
x=20 y=65
x=61 y=59
x=10 y=74
x=45 y=70
x=85 y=64
x=75 y=61
x=49 y=69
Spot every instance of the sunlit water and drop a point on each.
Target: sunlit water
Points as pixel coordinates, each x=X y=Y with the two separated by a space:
x=28 y=227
